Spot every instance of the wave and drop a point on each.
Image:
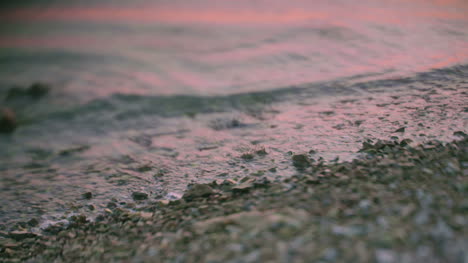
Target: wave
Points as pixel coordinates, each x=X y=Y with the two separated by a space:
x=130 y=105
x=122 y=111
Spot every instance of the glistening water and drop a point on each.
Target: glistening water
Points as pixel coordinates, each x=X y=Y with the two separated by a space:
x=153 y=95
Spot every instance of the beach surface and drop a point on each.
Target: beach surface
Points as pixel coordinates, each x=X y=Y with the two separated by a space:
x=235 y=131
x=398 y=203
x=290 y=179
x=48 y=184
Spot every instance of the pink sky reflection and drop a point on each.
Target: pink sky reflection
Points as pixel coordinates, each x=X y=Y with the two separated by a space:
x=223 y=48
x=236 y=16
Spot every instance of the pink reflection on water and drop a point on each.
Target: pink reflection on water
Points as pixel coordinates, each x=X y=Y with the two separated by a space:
x=158 y=15
x=310 y=42
x=264 y=13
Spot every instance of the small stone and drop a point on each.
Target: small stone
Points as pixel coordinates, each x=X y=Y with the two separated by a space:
x=146 y=215
x=78 y=219
x=460 y=134
x=258 y=173
x=111 y=205
x=139 y=196
x=247 y=156
x=244 y=187
x=164 y=202
x=144 y=168
x=405 y=142
x=33 y=222
x=38 y=90
x=7 y=121
x=228 y=182
x=402 y=129
x=20 y=235
x=198 y=190
x=358 y=122
x=87 y=195
x=312 y=180
x=261 y=151
x=301 y=161
x=226 y=185
x=35 y=91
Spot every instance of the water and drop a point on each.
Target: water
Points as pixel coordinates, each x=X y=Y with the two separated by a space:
x=183 y=88
x=205 y=48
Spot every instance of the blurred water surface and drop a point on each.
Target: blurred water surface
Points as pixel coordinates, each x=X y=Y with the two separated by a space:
x=97 y=48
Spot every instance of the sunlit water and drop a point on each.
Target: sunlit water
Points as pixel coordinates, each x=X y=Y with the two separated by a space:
x=185 y=87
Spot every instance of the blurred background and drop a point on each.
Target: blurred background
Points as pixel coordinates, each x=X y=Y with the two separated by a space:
x=94 y=49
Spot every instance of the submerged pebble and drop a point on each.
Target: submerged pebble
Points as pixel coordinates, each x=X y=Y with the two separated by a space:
x=87 y=195
x=247 y=156
x=35 y=91
x=301 y=161
x=139 y=196
x=8 y=121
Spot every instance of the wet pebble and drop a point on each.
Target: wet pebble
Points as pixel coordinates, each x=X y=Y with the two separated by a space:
x=460 y=134
x=35 y=91
x=139 y=196
x=198 y=190
x=33 y=222
x=247 y=156
x=20 y=235
x=402 y=129
x=301 y=161
x=87 y=195
x=8 y=121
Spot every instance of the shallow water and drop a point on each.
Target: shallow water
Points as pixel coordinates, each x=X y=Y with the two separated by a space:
x=151 y=97
x=207 y=47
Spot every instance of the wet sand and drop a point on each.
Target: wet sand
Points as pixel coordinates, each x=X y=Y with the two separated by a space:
x=201 y=148
x=396 y=204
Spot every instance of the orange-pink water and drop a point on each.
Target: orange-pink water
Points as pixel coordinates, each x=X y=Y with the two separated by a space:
x=212 y=47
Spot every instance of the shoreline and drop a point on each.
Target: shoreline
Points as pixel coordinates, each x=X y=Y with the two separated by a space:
x=203 y=148
x=398 y=203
